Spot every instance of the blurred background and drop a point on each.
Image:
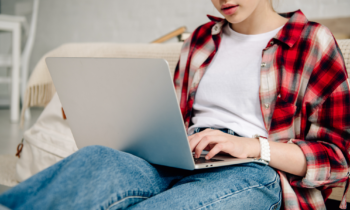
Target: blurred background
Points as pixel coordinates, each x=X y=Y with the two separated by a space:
x=58 y=22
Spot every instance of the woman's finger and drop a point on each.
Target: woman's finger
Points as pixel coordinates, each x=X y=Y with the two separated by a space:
x=194 y=141
x=195 y=138
x=205 y=141
x=207 y=148
x=191 y=136
x=216 y=149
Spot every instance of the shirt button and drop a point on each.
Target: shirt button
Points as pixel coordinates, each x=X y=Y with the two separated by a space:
x=266 y=106
x=186 y=123
x=263 y=64
x=271 y=43
x=216 y=29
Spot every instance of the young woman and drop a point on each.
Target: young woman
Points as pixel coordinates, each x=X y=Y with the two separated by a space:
x=254 y=73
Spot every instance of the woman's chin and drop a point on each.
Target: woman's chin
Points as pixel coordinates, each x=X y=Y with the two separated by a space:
x=234 y=19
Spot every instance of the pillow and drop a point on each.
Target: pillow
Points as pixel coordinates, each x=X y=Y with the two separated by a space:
x=48 y=141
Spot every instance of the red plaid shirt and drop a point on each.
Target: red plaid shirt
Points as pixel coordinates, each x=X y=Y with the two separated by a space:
x=304 y=99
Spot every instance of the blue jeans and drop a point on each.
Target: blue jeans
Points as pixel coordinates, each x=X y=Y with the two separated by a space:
x=98 y=177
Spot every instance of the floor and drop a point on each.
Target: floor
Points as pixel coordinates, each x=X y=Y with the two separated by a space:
x=11 y=134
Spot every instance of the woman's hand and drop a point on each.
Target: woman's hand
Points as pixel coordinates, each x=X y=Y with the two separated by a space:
x=216 y=141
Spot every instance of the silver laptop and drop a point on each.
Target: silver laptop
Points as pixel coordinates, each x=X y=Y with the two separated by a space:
x=128 y=105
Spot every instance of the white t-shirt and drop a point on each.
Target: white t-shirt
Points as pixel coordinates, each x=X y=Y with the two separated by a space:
x=228 y=93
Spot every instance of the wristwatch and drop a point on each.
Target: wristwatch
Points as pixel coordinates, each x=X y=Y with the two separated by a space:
x=264 y=149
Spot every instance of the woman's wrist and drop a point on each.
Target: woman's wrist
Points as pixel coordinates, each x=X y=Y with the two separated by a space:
x=254 y=148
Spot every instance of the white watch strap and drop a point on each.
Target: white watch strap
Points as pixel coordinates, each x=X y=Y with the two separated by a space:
x=264 y=149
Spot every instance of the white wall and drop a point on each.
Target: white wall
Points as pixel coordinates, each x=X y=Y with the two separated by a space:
x=138 y=21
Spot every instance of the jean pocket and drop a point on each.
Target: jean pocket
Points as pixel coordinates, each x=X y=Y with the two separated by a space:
x=278 y=204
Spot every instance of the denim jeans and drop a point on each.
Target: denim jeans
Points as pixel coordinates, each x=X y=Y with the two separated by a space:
x=98 y=177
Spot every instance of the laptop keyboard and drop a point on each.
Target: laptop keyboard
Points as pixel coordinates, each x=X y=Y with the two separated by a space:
x=203 y=160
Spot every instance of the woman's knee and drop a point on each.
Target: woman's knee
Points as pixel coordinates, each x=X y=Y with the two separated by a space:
x=94 y=154
x=102 y=155
x=94 y=150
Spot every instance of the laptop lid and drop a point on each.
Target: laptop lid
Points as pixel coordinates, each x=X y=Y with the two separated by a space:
x=123 y=103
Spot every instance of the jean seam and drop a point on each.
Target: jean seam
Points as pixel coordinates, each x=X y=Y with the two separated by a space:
x=273 y=182
x=124 y=199
x=277 y=203
x=239 y=191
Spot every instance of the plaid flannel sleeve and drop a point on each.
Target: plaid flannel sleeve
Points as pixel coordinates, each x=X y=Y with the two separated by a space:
x=327 y=131
x=327 y=154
